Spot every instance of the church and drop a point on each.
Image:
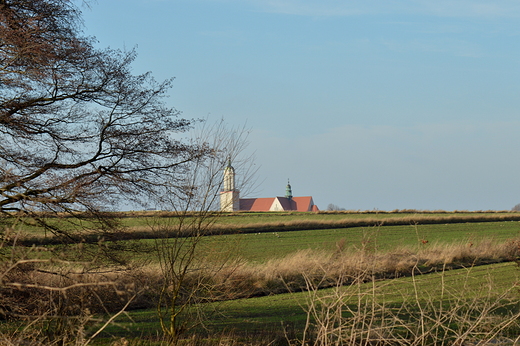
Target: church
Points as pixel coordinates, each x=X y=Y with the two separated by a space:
x=230 y=198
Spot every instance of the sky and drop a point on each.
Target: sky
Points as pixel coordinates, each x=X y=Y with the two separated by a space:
x=367 y=105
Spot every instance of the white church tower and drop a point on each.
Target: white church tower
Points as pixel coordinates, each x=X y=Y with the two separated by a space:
x=229 y=197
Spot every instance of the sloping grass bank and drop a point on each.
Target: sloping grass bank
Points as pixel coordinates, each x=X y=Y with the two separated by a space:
x=323 y=268
x=469 y=302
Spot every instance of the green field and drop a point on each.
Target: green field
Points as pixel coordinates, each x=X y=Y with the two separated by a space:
x=261 y=247
x=402 y=298
x=257 y=315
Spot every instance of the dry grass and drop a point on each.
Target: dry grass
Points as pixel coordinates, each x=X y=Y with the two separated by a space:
x=292 y=272
x=418 y=219
x=92 y=290
x=73 y=293
x=399 y=262
x=353 y=315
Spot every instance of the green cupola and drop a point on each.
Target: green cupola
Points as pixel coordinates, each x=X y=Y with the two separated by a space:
x=288 y=190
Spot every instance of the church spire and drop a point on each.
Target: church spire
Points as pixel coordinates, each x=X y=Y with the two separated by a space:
x=229 y=196
x=288 y=190
x=229 y=177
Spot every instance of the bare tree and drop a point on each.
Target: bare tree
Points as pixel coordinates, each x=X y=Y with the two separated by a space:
x=334 y=207
x=189 y=266
x=79 y=131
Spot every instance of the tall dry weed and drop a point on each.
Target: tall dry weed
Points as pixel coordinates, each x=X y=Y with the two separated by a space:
x=359 y=314
x=354 y=264
x=239 y=279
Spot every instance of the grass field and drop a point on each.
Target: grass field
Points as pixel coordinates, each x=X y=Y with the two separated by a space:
x=261 y=247
x=142 y=224
x=264 y=315
x=276 y=247
x=267 y=315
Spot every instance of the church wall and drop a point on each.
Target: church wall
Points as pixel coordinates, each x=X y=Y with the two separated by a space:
x=276 y=206
x=229 y=201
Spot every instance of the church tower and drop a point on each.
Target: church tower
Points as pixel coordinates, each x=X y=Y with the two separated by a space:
x=229 y=196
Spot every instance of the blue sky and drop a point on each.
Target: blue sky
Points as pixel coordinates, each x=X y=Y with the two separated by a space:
x=363 y=104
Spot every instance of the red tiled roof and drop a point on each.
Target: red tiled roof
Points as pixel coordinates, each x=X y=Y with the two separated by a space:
x=303 y=203
x=264 y=204
x=256 y=204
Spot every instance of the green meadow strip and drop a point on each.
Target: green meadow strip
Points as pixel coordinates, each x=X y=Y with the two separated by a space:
x=147 y=226
x=262 y=247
